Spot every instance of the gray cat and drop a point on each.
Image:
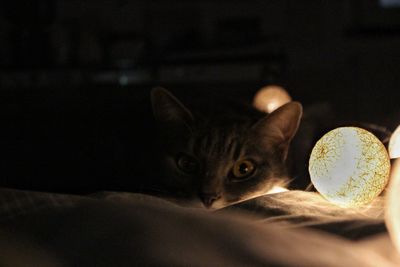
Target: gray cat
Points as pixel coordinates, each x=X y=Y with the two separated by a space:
x=222 y=159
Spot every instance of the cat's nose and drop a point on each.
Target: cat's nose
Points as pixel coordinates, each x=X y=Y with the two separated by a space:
x=208 y=199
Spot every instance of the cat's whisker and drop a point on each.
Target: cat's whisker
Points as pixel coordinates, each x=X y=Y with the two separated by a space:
x=289 y=181
x=277 y=189
x=309 y=187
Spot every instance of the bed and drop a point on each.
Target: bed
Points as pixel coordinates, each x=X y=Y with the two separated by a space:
x=293 y=228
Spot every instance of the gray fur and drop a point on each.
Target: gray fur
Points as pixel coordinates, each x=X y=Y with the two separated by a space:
x=216 y=143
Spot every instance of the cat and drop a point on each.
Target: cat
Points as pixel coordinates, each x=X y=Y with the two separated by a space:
x=222 y=159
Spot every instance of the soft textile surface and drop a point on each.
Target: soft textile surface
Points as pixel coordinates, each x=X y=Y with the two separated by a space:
x=123 y=229
x=298 y=209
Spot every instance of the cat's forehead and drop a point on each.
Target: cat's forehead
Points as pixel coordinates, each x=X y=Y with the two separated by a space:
x=219 y=142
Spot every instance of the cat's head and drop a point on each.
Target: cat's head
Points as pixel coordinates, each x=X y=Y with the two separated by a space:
x=221 y=161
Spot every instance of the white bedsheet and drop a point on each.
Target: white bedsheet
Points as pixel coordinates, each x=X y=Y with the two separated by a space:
x=125 y=229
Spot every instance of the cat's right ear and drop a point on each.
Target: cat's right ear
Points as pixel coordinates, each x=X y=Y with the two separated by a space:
x=167 y=109
x=280 y=126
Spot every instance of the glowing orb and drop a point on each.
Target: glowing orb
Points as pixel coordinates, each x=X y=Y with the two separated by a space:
x=349 y=166
x=392 y=212
x=270 y=98
x=394 y=144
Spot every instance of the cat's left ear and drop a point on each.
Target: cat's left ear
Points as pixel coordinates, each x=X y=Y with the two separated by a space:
x=169 y=110
x=280 y=126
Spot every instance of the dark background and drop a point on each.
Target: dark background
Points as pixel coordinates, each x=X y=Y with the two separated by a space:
x=75 y=76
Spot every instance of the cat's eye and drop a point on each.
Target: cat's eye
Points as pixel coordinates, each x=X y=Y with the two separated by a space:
x=187 y=163
x=243 y=169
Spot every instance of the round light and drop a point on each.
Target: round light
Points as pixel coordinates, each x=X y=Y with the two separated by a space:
x=392 y=212
x=270 y=98
x=394 y=144
x=349 y=166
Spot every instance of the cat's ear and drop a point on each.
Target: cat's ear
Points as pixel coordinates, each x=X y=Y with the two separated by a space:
x=168 y=109
x=279 y=127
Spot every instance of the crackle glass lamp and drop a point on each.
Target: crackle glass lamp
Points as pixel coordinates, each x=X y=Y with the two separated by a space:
x=270 y=98
x=394 y=144
x=349 y=166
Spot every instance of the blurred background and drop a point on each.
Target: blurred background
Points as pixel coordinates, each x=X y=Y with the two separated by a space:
x=75 y=76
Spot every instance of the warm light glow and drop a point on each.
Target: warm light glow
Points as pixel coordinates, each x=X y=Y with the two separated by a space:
x=277 y=189
x=349 y=166
x=270 y=98
x=392 y=212
x=394 y=144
